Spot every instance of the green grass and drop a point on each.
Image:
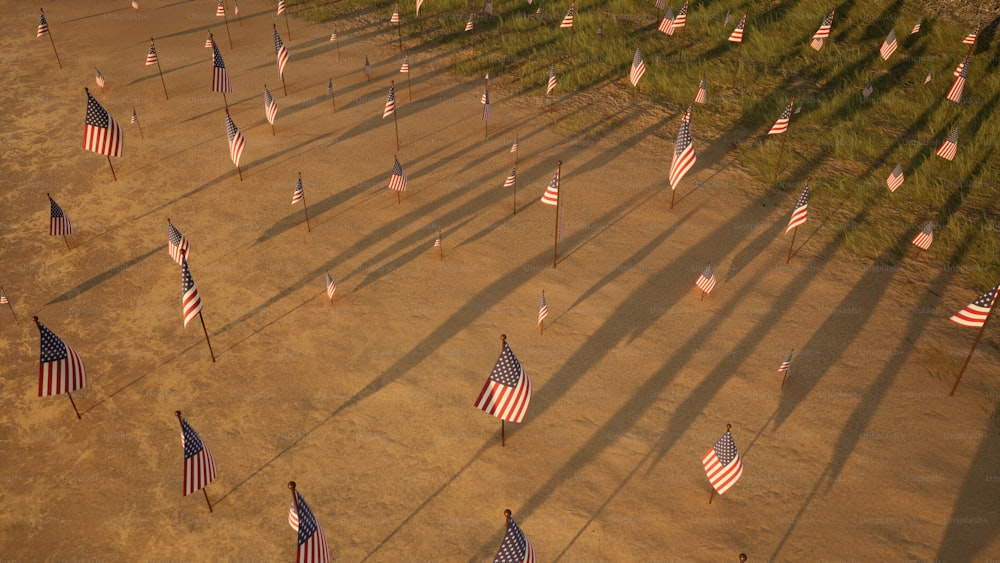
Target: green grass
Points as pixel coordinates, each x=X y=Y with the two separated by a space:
x=846 y=143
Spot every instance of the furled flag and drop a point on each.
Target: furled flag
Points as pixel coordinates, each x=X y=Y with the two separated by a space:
x=177 y=246
x=437 y=241
x=976 y=313
x=970 y=39
x=823 y=32
x=43 y=26
x=781 y=125
x=801 y=210
x=507 y=391
x=135 y=4
x=394 y=18
x=406 y=64
x=368 y=66
x=552 y=79
x=551 y=195
x=468 y=24
x=916 y=27
x=280 y=51
x=928 y=78
x=488 y=8
x=297 y=195
x=543 y=309
x=702 y=95
x=737 y=35
x=513 y=148
x=220 y=10
x=390 y=103
x=220 y=76
x=867 y=90
x=331 y=286
x=312 y=544
x=59 y=224
x=925 y=237
x=889 y=45
x=660 y=4
x=270 y=106
x=60 y=369
x=329 y=88
x=511 y=178
x=722 y=464
x=135 y=118
x=236 y=7
x=397 y=180
x=785 y=364
x=419 y=3
x=684 y=156
x=209 y=40
x=896 y=178
x=567 y=20
x=637 y=70
x=199 y=465
x=151 y=58
x=281 y=7
x=101 y=133
x=959 y=68
x=680 y=21
x=729 y=17
x=482 y=99
x=706 y=281
x=3 y=298
x=236 y=140
x=333 y=35
x=949 y=147
x=99 y=78
x=515 y=547
x=955 y=93
x=486 y=107
x=667 y=21
x=190 y=300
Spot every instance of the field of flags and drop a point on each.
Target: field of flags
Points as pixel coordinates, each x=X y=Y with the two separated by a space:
x=621 y=378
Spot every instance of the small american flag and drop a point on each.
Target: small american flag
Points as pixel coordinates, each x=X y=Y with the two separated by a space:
x=660 y=4
x=390 y=103
x=868 y=89
x=333 y=35
x=737 y=35
x=567 y=20
x=543 y=309
x=270 y=106
x=515 y=547
x=896 y=178
x=781 y=125
x=824 y=28
x=551 y=195
x=135 y=118
x=513 y=148
x=368 y=66
x=329 y=88
x=511 y=178
x=220 y=76
x=397 y=180
x=280 y=52
x=177 y=246
x=638 y=68
x=785 y=364
x=331 y=286
x=59 y=224
x=970 y=39
x=199 y=465
x=3 y=298
x=43 y=26
x=889 y=45
x=949 y=147
x=312 y=544
x=236 y=7
x=488 y=8
x=236 y=140
x=220 y=10
x=680 y=21
x=395 y=15
x=667 y=21
x=101 y=133
x=916 y=26
x=722 y=464
x=209 y=41
x=482 y=99
x=706 y=281
x=702 y=95
x=684 y=155
x=486 y=107
x=468 y=24
x=281 y=7
x=99 y=78
x=507 y=391
x=151 y=58
x=552 y=79
x=60 y=369
x=955 y=93
x=419 y=3
x=976 y=313
x=298 y=195
x=925 y=237
x=437 y=241
x=135 y=4
x=406 y=64
x=928 y=78
x=190 y=301
x=800 y=211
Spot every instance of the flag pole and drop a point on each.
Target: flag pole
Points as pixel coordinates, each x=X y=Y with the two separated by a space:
x=738 y=51
x=786 y=372
x=137 y=124
x=971 y=351
x=304 y=207
x=226 y=18
x=394 y=121
x=225 y=101
x=555 y=241
x=240 y=172
x=207 y=341
x=178 y=414
x=288 y=30
x=49 y=33
x=9 y=304
x=503 y=436
x=673 y=194
x=791 y=246
x=160 y=70
x=113 y=175
x=506 y=514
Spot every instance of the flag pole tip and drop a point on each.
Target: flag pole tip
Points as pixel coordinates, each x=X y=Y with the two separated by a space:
x=291 y=485
x=503 y=337
x=743 y=557
x=178 y=413
x=507 y=512
x=728 y=426
x=35 y=318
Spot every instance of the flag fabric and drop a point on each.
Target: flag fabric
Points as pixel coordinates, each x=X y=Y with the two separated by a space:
x=101 y=133
x=209 y=41
x=722 y=464
x=684 y=155
x=513 y=148
x=236 y=7
x=916 y=27
x=99 y=78
x=543 y=309
x=970 y=39
x=567 y=20
x=507 y=391
x=270 y=106
x=896 y=178
x=406 y=64
x=706 y=281
x=390 y=103
x=177 y=246
x=329 y=88
x=785 y=364
x=824 y=28
x=552 y=79
x=949 y=147
x=331 y=286
x=135 y=4
x=190 y=300
x=928 y=78
x=515 y=547
x=419 y=3
x=551 y=195
x=468 y=24
x=312 y=544
x=660 y=4
x=3 y=298
x=781 y=125
x=59 y=223
x=151 y=58
x=368 y=66
x=220 y=10
x=43 y=26
x=236 y=140
x=667 y=21
x=638 y=68
x=800 y=211
x=488 y=8
x=297 y=195
x=925 y=237
x=199 y=465
x=702 y=95
x=280 y=52
x=397 y=180
x=220 y=76
x=486 y=107
x=737 y=35
x=60 y=369
x=333 y=35
x=975 y=314
x=281 y=7
x=959 y=69
x=955 y=93
x=889 y=45
x=437 y=241
x=511 y=178
x=679 y=21
x=867 y=90
x=395 y=15
x=135 y=118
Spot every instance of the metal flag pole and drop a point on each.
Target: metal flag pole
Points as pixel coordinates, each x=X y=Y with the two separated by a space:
x=160 y=70
x=208 y=502
x=49 y=33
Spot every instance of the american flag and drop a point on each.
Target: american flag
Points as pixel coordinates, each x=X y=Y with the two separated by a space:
x=737 y=35
x=684 y=156
x=101 y=133
x=486 y=107
x=368 y=66
x=896 y=178
x=667 y=21
x=390 y=103
x=958 y=69
x=482 y=99
x=868 y=89
x=333 y=35
x=199 y=465
x=515 y=547
x=801 y=210
x=329 y=88
x=513 y=148
x=135 y=118
x=916 y=26
x=397 y=180
x=781 y=125
x=722 y=464
x=706 y=281
x=949 y=147
x=297 y=195
x=824 y=29
x=970 y=39
x=552 y=79
x=567 y=20
x=551 y=195
x=60 y=369
x=729 y=17
x=976 y=313
x=638 y=68
x=312 y=545
x=58 y=221
x=43 y=26
x=220 y=76
x=925 y=237
x=177 y=246
x=928 y=78
x=511 y=178
x=543 y=309
x=190 y=301
x=889 y=45
x=785 y=364
x=209 y=41
x=281 y=7
x=468 y=24
x=395 y=14
x=236 y=7
x=236 y=141
x=135 y=4
x=406 y=64
x=660 y=4
x=419 y=3
x=702 y=95
x=151 y=58
x=955 y=93
x=270 y=106
x=220 y=10
x=99 y=78
x=507 y=391
x=488 y=8
x=3 y=297
x=280 y=51
x=331 y=286
x=680 y=21
x=437 y=241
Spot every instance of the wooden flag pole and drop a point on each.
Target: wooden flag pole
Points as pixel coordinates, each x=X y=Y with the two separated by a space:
x=791 y=246
x=786 y=372
x=113 y=175
x=207 y=341
x=409 y=88
x=225 y=101
x=295 y=497
x=160 y=70
x=673 y=194
x=555 y=241
x=209 y=503
x=49 y=33
x=394 y=121
x=72 y=402
x=288 y=30
x=971 y=351
x=226 y=18
x=9 y=304
x=503 y=436
x=304 y=208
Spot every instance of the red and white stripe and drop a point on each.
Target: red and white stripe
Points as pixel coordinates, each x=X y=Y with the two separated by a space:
x=61 y=376
x=722 y=477
x=503 y=402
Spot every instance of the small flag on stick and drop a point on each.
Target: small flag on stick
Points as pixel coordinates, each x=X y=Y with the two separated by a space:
x=43 y=29
x=823 y=32
x=895 y=179
x=178 y=247
x=706 y=281
x=331 y=286
x=543 y=311
x=515 y=547
x=60 y=369
x=684 y=155
x=4 y=300
x=975 y=314
x=949 y=148
x=888 y=46
x=925 y=237
x=199 y=464
x=312 y=544
x=722 y=464
x=637 y=70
